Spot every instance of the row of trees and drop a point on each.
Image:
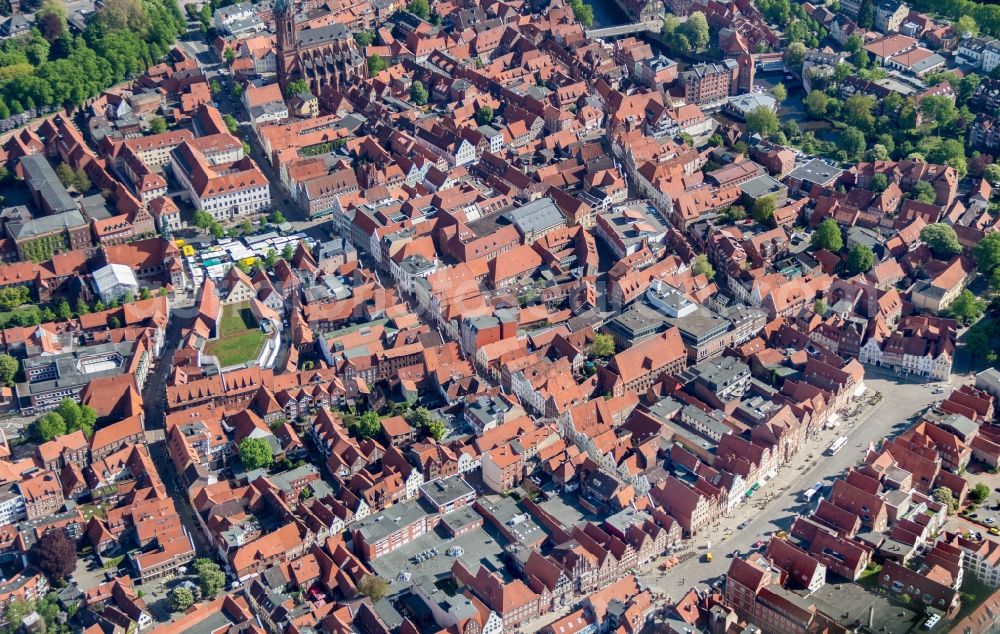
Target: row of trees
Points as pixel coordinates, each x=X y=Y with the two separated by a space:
x=21 y=312
x=70 y=178
x=50 y=67
x=69 y=417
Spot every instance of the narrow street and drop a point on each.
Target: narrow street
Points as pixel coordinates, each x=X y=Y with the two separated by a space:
x=154 y=400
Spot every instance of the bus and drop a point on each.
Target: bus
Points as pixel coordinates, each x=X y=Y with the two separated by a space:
x=812 y=491
x=836 y=446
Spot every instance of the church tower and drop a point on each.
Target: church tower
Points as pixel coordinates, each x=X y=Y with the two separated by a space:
x=287 y=39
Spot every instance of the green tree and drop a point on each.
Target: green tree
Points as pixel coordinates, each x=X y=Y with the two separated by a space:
x=211 y=579
x=180 y=599
x=277 y=218
x=979 y=493
x=229 y=55
x=943 y=495
x=484 y=116
x=939 y=111
x=63 y=310
x=51 y=20
x=735 y=213
x=701 y=266
x=255 y=453
x=924 y=192
x=762 y=121
x=157 y=125
x=942 y=239
x=879 y=183
x=296 y=87
x=364 y=38
x=795 y=53
x=12 y=297
x=65 y=174
x=763 y=209
x=8 y=369
x=966 y=26
x=966 y=308
x=860 y=259
x=375 y=588
x=857 y=111
x=375 y=65
x=15 y=613
x=602 y=346
x=852 y=141
x=418 y=417
x=995 y=280
x=77 y=417
x=145 y=293
x=288 y=252
x=49 y=426
x=827 y=236
x=418 y=94
x=780 y=92
x=368 y=425
x=819 y=307
x=271 y=259
x=988 y=252
x=582 y=12
x=419 y=8
x=436 y=429
x=696 y=30
x=841 y=72
x=816 y=103
x=866 y=14
x=992 y=174
x=202 y=219
x=231 y=123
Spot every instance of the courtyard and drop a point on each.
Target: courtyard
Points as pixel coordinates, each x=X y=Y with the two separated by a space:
x=240 y=337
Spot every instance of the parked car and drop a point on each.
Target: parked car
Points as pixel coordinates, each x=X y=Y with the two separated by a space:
x=990 y=521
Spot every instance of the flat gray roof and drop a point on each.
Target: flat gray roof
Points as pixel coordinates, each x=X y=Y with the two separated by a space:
x=42 y=178
x=815 y=171
x=761 y=186
x=379 y=525
x=446 y=490
x=46 y=225
x=536 y=215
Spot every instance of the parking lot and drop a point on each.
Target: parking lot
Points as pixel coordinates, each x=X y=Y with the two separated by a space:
x=987 y=512
x=90 y=573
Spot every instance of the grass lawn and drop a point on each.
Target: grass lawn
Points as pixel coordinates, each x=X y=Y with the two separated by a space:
x=91 y=510
x=240 y=339
x=7 y=316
